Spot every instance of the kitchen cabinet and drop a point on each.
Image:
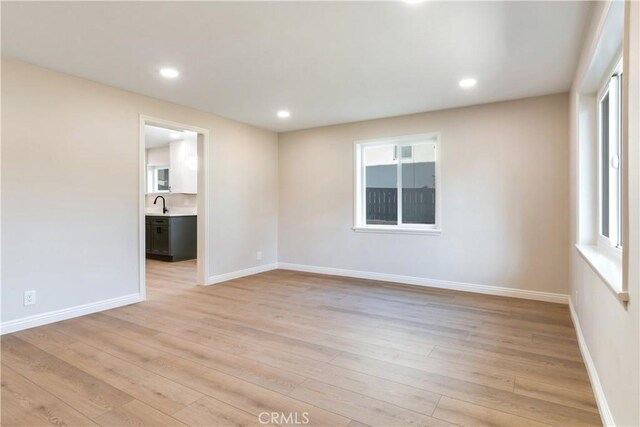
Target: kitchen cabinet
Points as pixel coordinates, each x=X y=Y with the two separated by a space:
x=174 y=168
x=171 y=238
x=183 y=166
x=147 y=233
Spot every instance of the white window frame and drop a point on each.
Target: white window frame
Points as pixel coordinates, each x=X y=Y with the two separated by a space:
x=359 y=220
x=152 y=179
x=611 y=86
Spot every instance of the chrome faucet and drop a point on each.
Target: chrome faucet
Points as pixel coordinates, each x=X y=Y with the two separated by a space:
x=164 y=204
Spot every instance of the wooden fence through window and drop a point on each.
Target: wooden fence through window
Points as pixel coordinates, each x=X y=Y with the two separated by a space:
x=418 y=205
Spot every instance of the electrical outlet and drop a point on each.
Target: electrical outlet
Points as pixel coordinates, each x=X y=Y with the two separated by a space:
x=259 y=255
x=29 y=297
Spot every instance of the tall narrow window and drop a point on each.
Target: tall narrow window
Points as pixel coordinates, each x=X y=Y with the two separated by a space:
x=397 y=184
x=610 y=160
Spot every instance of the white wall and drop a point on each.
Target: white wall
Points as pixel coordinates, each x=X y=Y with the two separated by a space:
x=158 y=156
x=175 y=202
x=609 y=327
x=505 y=204
x=70 y=158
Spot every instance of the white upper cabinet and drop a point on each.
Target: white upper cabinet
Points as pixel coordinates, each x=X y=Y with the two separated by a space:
x=183 y=166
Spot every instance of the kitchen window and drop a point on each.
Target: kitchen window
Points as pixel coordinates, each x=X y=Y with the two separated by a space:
x=398 y=185
x=158 y=179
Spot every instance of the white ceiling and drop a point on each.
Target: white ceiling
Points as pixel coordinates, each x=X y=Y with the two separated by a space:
x=326 y=62
x=155 y=136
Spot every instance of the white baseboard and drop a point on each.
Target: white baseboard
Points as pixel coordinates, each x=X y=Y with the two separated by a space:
x=241 y=273
x=431 y=283
x=67 y=313
x=601 y=400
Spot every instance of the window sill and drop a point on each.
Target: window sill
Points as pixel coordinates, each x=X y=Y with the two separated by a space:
x=608 y=268
x=396 y=230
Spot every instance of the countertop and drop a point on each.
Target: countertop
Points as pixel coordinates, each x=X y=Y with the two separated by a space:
x=170 y=213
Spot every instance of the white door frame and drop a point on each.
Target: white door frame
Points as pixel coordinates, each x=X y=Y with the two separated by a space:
x=202 y=198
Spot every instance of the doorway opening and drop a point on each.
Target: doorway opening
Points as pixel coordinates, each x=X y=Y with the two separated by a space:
x=173 y=206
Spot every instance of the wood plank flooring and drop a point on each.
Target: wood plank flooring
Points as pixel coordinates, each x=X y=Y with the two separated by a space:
x=290 y=348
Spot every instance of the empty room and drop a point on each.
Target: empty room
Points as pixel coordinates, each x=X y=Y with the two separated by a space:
x=322 y=213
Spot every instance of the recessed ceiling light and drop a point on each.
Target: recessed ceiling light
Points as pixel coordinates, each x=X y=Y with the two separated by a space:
x=169 y=73
x=174 y=135
x=283 y=114
x=467 y=83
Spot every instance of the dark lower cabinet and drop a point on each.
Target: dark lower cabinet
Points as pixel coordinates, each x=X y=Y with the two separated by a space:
x=171 y=238
x=147 y=234
x=160 y=239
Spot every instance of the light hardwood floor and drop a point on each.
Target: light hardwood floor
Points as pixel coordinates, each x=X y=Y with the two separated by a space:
x=331 y=350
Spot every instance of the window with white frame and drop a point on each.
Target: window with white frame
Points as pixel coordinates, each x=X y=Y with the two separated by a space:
x=397 y=184
x=610 y=160
x=158 y=179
